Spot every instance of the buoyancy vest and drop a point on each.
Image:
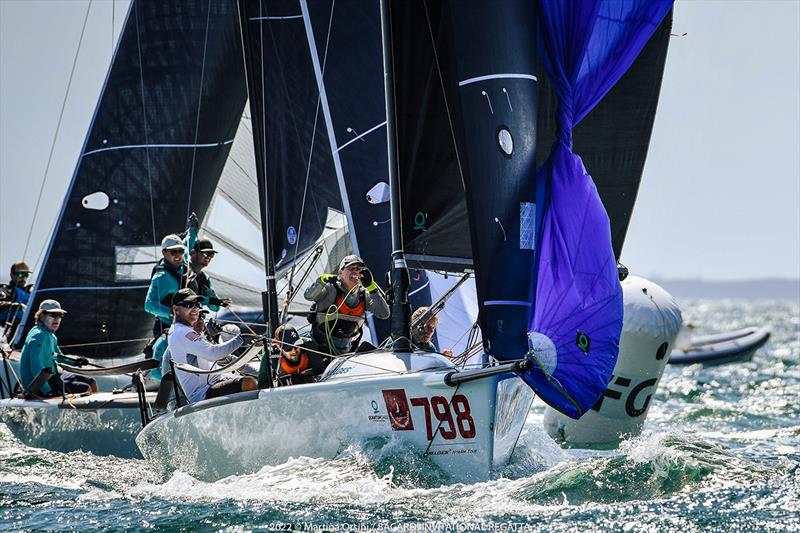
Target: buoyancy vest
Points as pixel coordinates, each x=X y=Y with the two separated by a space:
x=288 y=368
x=342 y=323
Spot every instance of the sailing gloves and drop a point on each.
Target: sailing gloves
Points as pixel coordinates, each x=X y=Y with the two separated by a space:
x=224 y=302
x=368 y=281
x=329 y=278
x=193 y=222
x=81 y=361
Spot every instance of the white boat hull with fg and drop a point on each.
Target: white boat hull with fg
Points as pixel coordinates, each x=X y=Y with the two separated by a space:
x=468 y=430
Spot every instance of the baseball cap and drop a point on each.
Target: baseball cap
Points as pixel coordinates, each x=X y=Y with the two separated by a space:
x=185 y=296
x=288 y=336
x=204 y=245
x=350 y=260
x=20 y=266
x=52 y=307
x=171 y=242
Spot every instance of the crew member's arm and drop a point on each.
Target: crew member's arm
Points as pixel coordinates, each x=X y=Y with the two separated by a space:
x=196 y=344
x=152 y=303
x=210 y=299
x=323 y=288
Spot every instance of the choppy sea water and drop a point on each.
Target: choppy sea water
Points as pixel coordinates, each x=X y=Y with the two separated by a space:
x=720 y=452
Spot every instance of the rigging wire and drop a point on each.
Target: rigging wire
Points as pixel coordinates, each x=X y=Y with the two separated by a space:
x=199 y=105
x=313 y=137
x=444 y=95
x=58 y=128
x=146 y=136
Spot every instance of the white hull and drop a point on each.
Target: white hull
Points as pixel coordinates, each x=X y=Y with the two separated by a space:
x=103 y=423
x=244 y=432
x=652 y=320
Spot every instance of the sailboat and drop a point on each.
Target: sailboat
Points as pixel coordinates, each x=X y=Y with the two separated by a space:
x=159 y=147
x=461 y=90
x=154 y=152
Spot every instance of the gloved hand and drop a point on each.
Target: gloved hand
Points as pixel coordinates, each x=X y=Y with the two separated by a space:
x=80 y=361
x=193 y=222
x=224 y=302
x=368 y=281
x=329 y=278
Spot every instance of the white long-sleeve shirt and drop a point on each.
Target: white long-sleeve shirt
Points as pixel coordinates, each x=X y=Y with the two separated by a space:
x=188 y=347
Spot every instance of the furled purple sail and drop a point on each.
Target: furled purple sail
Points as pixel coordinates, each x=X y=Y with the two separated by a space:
x=576 y=322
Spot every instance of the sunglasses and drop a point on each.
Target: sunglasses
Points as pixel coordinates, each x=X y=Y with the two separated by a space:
x=190 y=305
x=175 y=252
x=210 y=255
x=23 y=275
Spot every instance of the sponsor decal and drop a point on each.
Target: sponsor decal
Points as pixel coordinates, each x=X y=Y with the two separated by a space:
x=398 y=409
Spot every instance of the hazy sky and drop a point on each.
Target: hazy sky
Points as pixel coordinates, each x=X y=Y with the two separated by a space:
x=720 y=196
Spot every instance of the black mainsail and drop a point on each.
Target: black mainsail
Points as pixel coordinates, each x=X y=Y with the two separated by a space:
x=156 y=146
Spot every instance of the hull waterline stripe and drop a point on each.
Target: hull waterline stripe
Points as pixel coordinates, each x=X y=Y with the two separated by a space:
x=134 y=146
x=287 y=17
x=498 y=77
x=354 y=139
x=112 y=288
x=507 y=302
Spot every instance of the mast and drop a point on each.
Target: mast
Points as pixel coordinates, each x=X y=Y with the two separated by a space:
x=269 y=297
x=401 y=309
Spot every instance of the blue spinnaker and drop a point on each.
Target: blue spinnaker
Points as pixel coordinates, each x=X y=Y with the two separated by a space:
x=576 y=322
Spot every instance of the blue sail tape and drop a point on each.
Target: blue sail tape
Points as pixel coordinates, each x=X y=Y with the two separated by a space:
x=507 y=302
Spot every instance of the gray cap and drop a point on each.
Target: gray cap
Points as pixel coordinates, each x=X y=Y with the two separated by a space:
x=172 y=242
x=52 y=307
x=349 y=261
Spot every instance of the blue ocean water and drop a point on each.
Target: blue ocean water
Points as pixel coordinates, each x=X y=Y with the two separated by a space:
x=720 y=452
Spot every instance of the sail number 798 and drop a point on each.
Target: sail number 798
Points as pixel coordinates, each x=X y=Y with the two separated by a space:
x=448 y=425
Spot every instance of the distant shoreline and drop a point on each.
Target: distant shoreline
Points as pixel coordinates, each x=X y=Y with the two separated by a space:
x=756 y=289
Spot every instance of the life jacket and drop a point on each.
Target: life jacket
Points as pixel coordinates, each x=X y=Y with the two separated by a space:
x=183 y=279
x=288 y=368
x=199 y=283
x=10 y=295
x=344 y=323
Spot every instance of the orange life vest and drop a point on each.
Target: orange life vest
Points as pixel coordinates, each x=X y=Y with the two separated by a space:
x=289 y=368
x=344 y=309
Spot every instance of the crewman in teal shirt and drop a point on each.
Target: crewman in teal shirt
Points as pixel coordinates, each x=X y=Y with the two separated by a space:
x=169 y=275
x=41 y=351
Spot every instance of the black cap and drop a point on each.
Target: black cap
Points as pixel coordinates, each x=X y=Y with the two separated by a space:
x=185 y=296
x=289 y=337
x=204 y=245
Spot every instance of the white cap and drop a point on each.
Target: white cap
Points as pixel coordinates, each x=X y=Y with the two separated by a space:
x=52 y=307
x=171 y=242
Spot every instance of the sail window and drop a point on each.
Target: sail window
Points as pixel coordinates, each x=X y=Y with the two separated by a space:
x=505 y=141
x=135 y=263
x=379 y=193
x=543 y=351
x=97 y=201
x=527 y=225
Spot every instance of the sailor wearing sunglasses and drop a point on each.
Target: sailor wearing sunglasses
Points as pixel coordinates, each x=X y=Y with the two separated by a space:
x=187 y=346
x=14 y=297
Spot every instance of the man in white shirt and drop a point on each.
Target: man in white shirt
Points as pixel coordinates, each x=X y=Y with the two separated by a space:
x=187 y=346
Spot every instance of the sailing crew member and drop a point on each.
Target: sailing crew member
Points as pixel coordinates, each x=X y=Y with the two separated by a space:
x=341 y=302
x=423 y=330
x=296 y=365
x=201 y=255
x=187 y=346
x=41 y=351
x=170 y=274
x=14 y=297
